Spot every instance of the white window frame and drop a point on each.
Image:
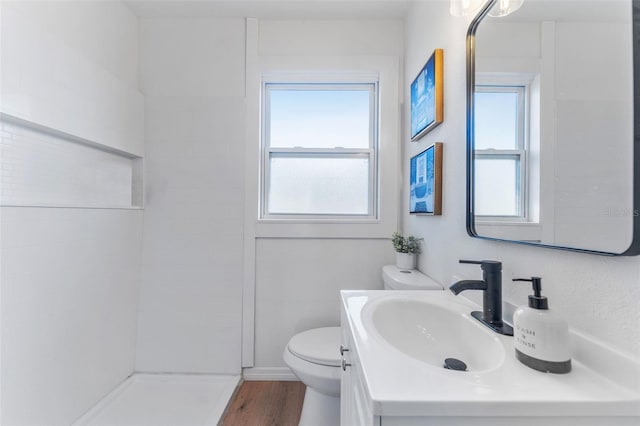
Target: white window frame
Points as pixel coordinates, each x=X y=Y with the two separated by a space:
x=522 y=89
x=267 y=152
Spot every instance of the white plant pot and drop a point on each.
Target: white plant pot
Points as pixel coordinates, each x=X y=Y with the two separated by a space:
x=405 y=260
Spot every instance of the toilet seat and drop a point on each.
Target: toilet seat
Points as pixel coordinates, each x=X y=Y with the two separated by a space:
x=318 y=346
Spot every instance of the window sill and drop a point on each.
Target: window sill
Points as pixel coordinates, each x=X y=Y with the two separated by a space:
x=336 y=221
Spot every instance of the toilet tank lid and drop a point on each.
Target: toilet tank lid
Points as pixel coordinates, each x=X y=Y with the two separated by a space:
x=319 y=346
x=401 y=279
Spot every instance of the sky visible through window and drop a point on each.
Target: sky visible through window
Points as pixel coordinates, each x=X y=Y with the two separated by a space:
x=496 y=120
x=319 y=118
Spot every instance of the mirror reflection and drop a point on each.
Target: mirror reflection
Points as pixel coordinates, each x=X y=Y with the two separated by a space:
x=553 y=133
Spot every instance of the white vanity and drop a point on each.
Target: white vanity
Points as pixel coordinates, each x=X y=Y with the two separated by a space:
x=394 y=347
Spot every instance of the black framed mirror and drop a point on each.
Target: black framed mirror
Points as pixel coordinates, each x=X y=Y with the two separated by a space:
x=553 y=125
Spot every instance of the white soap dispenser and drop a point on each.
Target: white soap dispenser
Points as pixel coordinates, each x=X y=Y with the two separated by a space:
x=541 y=336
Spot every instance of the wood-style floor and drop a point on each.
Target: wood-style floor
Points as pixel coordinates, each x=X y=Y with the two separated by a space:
x=265 y=404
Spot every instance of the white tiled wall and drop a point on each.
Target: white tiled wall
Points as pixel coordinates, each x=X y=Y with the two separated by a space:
x=189 y=318
x=190 y=297
x=42 y=169
x=69 y=297
x=192 y=57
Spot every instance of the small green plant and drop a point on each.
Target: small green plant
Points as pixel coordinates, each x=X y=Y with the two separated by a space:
x=404 y=244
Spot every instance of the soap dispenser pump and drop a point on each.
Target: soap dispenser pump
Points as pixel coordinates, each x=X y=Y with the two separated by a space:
x=541 y=337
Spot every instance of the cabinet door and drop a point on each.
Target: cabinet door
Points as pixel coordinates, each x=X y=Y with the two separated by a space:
x=362 y=410
x=348 y=412
x=354 y=410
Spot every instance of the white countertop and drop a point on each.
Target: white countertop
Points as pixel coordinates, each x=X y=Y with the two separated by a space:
x=400 y=385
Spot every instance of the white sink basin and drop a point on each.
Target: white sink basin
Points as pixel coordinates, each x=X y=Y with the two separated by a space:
x=400 y=339
x=432 y=333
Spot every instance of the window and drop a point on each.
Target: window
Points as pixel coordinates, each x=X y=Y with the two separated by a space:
x=319 y=151
x=500 y=152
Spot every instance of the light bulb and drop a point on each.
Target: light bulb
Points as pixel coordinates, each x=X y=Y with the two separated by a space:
x=464 y=7
x=505 y=7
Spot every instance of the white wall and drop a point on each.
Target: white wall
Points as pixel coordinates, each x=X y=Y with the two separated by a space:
x=192 y=75
x=69 y=277
x=297 y=280
x=330 y=38
x=69 y=299
x=593 y=189
x=598 y=295
x=72 y=66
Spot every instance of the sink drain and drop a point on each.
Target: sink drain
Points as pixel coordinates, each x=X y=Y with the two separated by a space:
x=455 y=364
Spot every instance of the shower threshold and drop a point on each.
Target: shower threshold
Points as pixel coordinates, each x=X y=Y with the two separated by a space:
x=164 y=400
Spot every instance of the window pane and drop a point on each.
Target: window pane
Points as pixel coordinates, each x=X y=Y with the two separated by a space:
x=496 y=118
x=321 y=118
x=496 y=186
x=319 y=185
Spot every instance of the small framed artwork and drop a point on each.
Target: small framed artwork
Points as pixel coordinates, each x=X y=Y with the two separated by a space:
x=427 y=97
x=425 y=181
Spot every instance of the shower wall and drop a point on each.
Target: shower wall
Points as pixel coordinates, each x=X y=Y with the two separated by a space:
x=192 y=73
x=69 y=276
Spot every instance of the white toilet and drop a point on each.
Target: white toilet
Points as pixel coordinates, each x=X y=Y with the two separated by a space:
x=314 y=355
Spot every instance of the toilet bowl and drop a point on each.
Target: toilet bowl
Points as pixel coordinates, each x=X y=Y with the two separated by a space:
x=314 y=355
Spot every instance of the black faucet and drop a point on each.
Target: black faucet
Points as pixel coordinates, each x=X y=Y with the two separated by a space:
x=491 y=285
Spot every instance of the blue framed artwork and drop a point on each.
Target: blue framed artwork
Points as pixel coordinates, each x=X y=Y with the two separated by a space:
x=425 y=181
x=427 y=100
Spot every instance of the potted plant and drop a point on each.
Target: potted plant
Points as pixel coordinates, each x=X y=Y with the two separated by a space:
x=406 y=250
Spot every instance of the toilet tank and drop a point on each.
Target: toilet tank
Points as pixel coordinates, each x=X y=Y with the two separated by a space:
x=395 y=278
